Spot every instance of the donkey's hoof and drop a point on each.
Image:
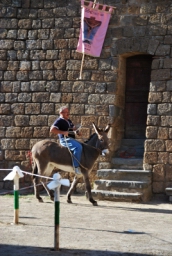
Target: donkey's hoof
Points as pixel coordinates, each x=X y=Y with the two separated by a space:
x=95 y=203
x=52 y=198
x=69 y=201
x=40 y=200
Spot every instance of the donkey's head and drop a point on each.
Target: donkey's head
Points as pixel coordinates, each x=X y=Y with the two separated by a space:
x=102 y=141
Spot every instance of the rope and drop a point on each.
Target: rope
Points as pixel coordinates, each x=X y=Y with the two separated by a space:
x=11 y=191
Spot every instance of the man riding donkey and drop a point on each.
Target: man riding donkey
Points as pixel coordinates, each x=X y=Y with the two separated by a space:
x=63 y=127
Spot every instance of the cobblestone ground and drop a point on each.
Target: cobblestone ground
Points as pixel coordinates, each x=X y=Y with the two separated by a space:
x=112 y=228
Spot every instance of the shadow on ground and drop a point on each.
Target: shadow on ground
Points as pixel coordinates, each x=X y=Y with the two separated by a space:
x=16 y=250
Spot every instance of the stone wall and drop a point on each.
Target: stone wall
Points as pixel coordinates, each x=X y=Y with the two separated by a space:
x=40 y=70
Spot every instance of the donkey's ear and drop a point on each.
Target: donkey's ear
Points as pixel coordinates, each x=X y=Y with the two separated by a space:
x=107 y=128
x=96 y=128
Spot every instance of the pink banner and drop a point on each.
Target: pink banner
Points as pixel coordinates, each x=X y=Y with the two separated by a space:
x=94 y=24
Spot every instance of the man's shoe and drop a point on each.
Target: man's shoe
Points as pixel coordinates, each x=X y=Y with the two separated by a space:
x=78 y=171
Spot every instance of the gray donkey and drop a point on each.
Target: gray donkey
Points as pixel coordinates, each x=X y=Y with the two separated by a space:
x=48 y=155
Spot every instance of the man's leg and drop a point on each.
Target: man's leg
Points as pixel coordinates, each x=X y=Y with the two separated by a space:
x=76 y=149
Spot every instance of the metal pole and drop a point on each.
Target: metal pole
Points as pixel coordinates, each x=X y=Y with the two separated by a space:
x=57 y=217
x=16 y=199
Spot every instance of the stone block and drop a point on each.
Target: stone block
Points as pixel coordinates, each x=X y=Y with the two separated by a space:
x=152 y=46
x=13 y=132
x=158 y=187
x=13 y=65
x=22 y=76
x=55 y=97
x=41 y=132
x=48 y=75
x=59 y=64
x=8 y=23
x=94 y=99
x=160 y=74
x=88 y=120
x=35 y=75
x=166 y=121
x=166 y=97
x=36 y=86
x=163 y=50
x=5 y=109
x=21 y=120
x=24 y=97
x=47 y=108
x=68 y=97
x=168 y=172
x=9 y=75
x=45 y=14
x=14 y=155
x=97 y=76
x=8 y=144
x=163 y=158
x=152 y=109
x=25 y=24
x=37 y=55
x=168 y=144
x=107 y=99
x=22 y=143
x=91 y=109
x=40 y=120
x=32 y=108
x=72 y=75
x=17 y=108
x=40 y=97
x=164 y=109
x=80 y=97
x=36 y=24
x=57 y=33
x=163 y=133
x=61 y=75
x=150 y=157
x=47 y=45
x=158 y=172
x=52 y=54
x=154 y=145
x=77 y=109
x=151 y=132
x=11 y=97
x=73 y=65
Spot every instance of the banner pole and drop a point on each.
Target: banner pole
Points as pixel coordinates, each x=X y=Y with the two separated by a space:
x=82 y=62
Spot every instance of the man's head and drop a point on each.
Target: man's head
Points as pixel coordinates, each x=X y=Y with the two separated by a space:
x=64 y=112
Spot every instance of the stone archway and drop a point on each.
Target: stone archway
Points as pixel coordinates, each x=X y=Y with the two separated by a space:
x=132 y=100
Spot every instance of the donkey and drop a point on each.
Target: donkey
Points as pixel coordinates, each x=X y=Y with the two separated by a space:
x=48 y=155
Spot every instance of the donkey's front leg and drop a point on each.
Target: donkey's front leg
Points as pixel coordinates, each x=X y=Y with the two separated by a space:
x=88 y=189
x=72 y=187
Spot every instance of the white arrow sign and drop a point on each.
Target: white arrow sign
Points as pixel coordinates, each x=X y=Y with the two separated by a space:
x=16 y=171
x=57 y=181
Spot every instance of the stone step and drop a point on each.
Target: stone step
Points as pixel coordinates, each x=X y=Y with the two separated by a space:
x=123 y=174
x=169 y=193
x=117 y=196
x=127 y=163
x=120 y=185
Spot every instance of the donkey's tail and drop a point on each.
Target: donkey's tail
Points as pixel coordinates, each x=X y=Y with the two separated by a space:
x=34 y=169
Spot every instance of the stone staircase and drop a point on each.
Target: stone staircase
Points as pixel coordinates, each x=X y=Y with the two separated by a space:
x=126 y=181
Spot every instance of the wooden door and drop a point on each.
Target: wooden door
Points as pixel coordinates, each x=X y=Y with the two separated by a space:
x=138 y=71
